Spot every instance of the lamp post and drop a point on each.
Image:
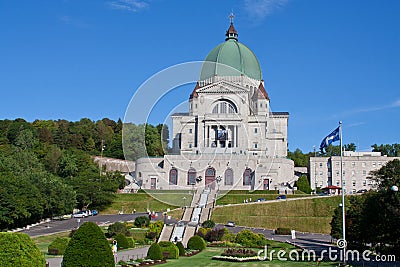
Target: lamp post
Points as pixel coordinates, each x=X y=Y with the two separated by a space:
x=101 y=155
x=218 y=179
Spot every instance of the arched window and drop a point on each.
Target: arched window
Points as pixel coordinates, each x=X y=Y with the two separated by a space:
x=191 y=179
x=224 y=107
x=210 y=172
x=173 y=176
x=247 y=177
x=229 y=176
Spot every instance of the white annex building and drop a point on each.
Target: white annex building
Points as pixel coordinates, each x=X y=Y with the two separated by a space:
x=230 y=138
x=357 y=166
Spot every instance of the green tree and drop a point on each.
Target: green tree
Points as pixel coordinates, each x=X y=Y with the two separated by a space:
x=18 y=249
x=142 y=221
x=117 y=228
x=392 y=150
x=303 y=184
x=88 y=247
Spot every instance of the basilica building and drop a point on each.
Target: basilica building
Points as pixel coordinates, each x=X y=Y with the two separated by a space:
x=229 y=139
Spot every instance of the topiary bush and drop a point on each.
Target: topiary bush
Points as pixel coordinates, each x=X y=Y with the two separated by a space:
x=169 y=250
x=154 y=252
x=181 y=248
x=131 y=242
x=58 y=246
x=122 y=242
x=18 y=249
x=142 y=221
x=208 y=224
x=88 y=247
x=203 y=232
x=117 y=228
x=215 y=235
x=196 y=243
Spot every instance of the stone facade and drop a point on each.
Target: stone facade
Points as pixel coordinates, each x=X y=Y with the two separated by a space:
x=325 y=171
x=230 y=138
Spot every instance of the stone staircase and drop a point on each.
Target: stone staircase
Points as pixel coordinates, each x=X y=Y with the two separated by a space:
x=189 y=232
x=166 y=233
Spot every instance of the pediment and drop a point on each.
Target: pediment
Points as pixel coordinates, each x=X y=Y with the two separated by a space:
x=222 y=87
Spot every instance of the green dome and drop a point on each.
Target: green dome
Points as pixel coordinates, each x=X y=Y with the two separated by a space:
x=233 y=54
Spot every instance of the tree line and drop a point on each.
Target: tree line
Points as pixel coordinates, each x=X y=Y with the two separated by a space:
x=301 y=159
x=46 y=166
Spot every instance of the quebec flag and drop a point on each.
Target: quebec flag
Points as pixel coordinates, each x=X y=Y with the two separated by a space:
x=332 y=137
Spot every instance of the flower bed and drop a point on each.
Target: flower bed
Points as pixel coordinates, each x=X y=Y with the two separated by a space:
x=191 y=253
x=236 y=259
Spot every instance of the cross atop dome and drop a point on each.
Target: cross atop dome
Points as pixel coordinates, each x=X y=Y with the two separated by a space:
x=231 y=33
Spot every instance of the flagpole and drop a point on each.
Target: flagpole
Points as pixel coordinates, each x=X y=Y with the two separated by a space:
x=343 y=208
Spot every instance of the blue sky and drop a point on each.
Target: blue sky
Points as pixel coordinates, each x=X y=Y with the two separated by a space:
x=322 y=61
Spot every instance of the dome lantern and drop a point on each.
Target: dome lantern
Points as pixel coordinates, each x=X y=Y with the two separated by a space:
x=231 y=33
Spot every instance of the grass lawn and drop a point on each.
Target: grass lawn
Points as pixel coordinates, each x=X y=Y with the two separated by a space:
x=305 y=215
x=157 y=201
x=204 y=259
x=238 y=196
x=44 y=241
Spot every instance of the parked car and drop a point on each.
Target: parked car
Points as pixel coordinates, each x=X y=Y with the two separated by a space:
x=94 y=212
x=80 y=214
x=281 y=197
x=261 y=199
x=362 y=191
x=230 y=224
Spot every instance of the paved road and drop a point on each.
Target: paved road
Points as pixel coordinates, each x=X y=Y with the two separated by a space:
x=69 y=224
x=137 y=253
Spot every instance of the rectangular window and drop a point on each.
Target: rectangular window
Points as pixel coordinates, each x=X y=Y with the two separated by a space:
x=353 y=173
x=354 y=183
x=365 y=183
x=190 y=145
x=373 y=164
x=255 y=145
x=337 y=173
x=260 y=105
x=255 y=130
x=353 y=164
x=337 y=183
x=363 y=164
x=190 y=130
x=364 y=172
x=320 y=164
x=321 y=173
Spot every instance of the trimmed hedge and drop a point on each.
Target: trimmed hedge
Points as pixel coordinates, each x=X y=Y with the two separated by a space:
x=88 y=247
x=18 y=249
x=196 y=243
x=154 y=252
x=181 y=248
x=169 y=250
x=122 y=242
x=58 y=246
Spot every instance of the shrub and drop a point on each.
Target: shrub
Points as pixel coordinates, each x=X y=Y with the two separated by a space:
x=208 y=224
x=18 y=249
x=122 y=242
x=117 y=228
x=58 y=246
x=142 y=221
x=249 y=239
x=230 y=237
x=154 y=252
x=151 y=235
x=202 y=232
x=196 y=243
x=131 y=242
x=181 y=248
x=283 y=231
x=215 y=235
x=169 y=250
x=88 y=247
x=156 y=227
